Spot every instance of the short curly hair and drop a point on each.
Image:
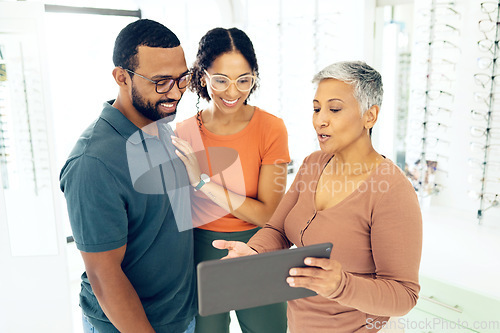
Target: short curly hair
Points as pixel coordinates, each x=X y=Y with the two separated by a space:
x=215 y=43
x=142 y=32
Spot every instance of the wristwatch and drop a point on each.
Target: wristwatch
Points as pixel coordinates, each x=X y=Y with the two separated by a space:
x=204 y=178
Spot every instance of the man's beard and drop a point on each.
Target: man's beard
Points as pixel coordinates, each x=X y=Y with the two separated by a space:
x=149 y=110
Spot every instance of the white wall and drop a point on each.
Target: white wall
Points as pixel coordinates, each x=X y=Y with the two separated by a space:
x=34 y=277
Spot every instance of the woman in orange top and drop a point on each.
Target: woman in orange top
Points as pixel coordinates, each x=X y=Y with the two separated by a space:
x=236 y=156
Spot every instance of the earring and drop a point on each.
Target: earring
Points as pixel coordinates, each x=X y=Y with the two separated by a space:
x=202 y=82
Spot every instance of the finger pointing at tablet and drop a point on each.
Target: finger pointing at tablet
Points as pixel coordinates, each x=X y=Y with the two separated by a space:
x=235 y=248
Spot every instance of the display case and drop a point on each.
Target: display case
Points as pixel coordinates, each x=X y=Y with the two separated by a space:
x=24 y=145
x=34 y=282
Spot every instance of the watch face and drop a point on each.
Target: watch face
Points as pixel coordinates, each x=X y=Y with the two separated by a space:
x=205 y=177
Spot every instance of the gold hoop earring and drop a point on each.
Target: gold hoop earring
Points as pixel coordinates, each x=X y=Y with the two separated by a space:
x=202 y=82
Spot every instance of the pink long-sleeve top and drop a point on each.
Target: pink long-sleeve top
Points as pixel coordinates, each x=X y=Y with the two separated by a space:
x=376 y=234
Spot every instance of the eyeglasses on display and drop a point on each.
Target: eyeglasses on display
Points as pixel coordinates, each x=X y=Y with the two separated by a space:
x=489 y=7
x=480 y=164
x=483 y=131
x=440 y=11
x=434 y=110
x=487 y=45
x=488 y=196
x=487 y=25
x=479 y=179
x=442 y=63
x=438 y=28
x=481 y=147
x=493 y=200
x=485 y=62
x=484 y=80
x=441 y=44
x=481 y=114
x=428 y=125
x=433 y=94
x=429 y=141
x=486 y=98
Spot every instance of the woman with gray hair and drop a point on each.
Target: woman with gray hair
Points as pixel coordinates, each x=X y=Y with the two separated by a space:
x=357 y=199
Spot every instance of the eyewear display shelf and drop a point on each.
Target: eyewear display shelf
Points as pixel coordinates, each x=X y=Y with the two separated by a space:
x=432 y=95
x=488 y=195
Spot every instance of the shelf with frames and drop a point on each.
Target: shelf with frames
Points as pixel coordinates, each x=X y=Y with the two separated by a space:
x=26 y=168
x=487 y=137
x=432 y=95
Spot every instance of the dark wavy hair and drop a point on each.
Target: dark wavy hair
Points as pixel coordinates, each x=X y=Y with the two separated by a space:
x=142 y=32
x=215 y=43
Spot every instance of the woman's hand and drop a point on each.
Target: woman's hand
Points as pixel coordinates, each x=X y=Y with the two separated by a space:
x=323 y=277
x=236 y=249
x=188 y=157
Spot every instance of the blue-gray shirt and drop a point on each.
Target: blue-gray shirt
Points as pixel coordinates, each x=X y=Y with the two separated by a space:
x=123 y=186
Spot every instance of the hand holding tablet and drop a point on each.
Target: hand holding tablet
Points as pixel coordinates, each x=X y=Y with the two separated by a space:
x=322 y=276
x=260 y=279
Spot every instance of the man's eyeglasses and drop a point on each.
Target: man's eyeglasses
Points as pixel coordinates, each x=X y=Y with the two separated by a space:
x=489 y=7
x=221 y=82
x=163 y=86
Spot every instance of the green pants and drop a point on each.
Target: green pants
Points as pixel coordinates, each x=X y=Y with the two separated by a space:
x=263 y=319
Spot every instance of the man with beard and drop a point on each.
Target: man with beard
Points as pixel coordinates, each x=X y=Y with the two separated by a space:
x=124 y=192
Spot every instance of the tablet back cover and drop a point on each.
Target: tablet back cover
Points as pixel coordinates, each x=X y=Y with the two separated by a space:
x=247 y=282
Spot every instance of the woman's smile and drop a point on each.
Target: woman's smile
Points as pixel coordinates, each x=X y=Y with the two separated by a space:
x=230 y=103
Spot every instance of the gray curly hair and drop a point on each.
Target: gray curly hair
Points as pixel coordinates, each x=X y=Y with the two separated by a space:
x=367 y=82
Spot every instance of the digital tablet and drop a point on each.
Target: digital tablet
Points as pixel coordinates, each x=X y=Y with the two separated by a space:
x=250 y=281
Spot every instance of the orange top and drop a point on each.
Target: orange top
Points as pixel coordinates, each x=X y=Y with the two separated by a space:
x=234 y=162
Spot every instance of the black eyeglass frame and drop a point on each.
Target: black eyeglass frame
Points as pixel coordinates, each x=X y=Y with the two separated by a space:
x=171 y=84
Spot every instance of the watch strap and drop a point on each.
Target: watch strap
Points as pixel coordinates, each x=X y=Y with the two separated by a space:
x=200 y=185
